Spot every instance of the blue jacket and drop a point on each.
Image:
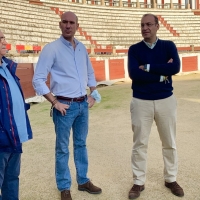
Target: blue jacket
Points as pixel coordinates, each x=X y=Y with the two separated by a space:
x=9 y=138
x=147 y=85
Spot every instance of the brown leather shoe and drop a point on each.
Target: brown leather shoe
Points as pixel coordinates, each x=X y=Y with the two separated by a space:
x=65 y=195
x=175 y=188
x=135 y=191
x=89 y=187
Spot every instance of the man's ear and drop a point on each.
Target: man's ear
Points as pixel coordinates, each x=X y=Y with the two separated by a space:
x=77 y=26
x=60 y=24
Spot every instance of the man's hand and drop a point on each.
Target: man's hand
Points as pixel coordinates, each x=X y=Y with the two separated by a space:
x=61 y=107
x=90 y=101
x=170 y=60
x=141 y=67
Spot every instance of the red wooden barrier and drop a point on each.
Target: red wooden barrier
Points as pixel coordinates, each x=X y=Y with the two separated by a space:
x=99 y=69
x=196 y=48
x=121 y=50
x=25 y=73
x=116 y=69
x=184 y=48
x=103 y=51
x=189 y=64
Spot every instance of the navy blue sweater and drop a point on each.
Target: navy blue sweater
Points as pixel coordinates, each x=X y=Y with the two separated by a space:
x=147 y=85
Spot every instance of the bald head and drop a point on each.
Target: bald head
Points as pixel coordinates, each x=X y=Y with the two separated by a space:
x=69 y=13
x=69 y=25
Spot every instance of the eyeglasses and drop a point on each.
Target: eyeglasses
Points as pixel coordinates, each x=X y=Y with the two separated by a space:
x=2 y=39
x=147 y=24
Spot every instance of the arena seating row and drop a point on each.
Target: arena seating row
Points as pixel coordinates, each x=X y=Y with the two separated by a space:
x=122 y=17
x=25 y=48
x=101 y=26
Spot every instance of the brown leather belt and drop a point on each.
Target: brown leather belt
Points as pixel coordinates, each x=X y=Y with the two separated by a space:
x=77 y=99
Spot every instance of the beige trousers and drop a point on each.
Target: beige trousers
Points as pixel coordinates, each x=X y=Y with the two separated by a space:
x=143 y=113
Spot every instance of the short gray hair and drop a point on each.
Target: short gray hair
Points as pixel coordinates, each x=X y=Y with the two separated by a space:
x=149 y=14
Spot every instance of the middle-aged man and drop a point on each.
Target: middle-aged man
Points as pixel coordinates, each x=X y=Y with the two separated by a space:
x=14 y=125
x=67 y=61
x=151 y=64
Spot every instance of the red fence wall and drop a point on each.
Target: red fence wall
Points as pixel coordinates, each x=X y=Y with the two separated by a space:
x=116 y=69
x=99 y=69
x=25 y=73
x=189 y=64
x=105 y=70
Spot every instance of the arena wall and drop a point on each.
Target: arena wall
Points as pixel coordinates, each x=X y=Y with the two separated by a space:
x=108 y=70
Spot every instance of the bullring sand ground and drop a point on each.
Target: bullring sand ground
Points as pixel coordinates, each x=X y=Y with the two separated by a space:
x=109 y=147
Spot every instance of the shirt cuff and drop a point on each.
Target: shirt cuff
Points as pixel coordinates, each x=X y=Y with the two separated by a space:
x=148 y=67
x=41 y=89
x=162 y=78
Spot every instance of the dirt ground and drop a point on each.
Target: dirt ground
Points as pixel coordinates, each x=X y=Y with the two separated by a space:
x=109 y=148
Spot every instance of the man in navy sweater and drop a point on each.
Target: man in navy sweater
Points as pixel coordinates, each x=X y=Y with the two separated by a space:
x=151 y=64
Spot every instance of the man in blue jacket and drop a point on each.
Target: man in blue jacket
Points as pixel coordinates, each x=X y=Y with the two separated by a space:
x=151 y=64
x=14 y=126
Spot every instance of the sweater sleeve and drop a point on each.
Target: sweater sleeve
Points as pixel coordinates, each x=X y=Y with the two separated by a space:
x=137 y=74
x=168 y=69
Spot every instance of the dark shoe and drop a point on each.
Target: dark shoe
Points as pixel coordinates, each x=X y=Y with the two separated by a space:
x=89 y=187
x=65 y=195
x=135 y=191
x=175 y=188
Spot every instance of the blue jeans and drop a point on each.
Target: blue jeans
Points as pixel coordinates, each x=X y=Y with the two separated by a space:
x=9 y=175
x=76 y=119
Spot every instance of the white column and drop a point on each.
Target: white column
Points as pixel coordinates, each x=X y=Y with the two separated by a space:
x=198 y=62
x=181 y=58
x=107 y=75
x=126 y=69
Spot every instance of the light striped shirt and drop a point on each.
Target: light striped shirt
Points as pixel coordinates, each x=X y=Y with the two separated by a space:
x=70 y=69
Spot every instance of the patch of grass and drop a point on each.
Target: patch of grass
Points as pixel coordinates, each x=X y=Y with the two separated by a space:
x=112 y=96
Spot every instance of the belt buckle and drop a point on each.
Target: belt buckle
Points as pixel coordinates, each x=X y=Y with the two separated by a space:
x=80 y=99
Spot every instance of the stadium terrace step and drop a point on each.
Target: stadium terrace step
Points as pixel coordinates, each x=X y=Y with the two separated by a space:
x=99 y=25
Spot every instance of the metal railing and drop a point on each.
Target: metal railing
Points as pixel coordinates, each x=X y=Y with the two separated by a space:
x=122 y=3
